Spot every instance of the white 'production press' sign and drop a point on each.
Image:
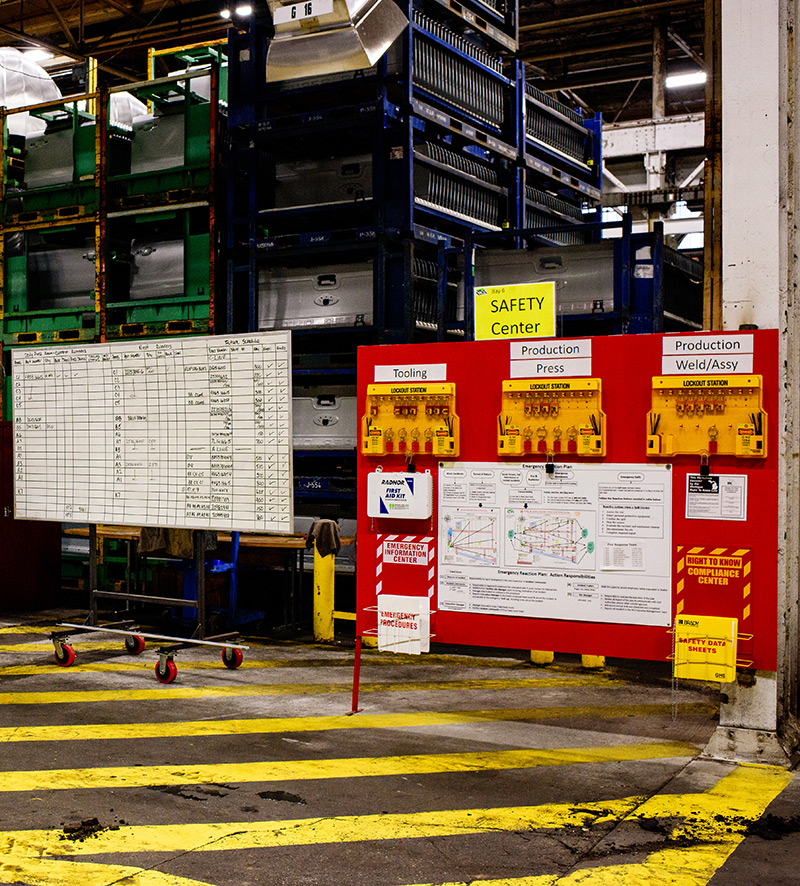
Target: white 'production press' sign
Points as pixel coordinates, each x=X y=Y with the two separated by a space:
x=193 y=433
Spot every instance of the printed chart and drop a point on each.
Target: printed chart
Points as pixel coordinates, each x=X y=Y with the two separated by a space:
x=584 y=543
x=192 y=433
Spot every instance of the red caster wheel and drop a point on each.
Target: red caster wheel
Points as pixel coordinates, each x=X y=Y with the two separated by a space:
x=232 y=658
x=65 y=655
x=167 y=671
x=134 y=644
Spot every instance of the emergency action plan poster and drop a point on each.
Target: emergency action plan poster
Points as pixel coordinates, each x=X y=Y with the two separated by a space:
x=583 y=543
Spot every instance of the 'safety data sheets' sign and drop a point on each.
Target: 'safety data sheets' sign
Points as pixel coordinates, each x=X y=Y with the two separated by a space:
x=705 y=648
x=585 y=543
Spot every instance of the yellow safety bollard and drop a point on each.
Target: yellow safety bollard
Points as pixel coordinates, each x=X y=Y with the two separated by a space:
x=538 y=657
x=324 y=573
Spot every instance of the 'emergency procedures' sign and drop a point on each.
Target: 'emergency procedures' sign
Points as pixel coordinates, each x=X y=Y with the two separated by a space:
x=521 y=310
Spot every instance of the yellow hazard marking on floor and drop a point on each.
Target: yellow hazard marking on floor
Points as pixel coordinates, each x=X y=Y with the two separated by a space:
x=318 y=831
x=47 y=645
x=370 y=656
x=353 y=767
x=125 y=662
x=172 y=692
x=716 y=821
x=194 y=728
x=51 y=872
x=27 y=629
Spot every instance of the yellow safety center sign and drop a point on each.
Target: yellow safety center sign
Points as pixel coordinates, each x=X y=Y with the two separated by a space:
x=705 y=648
x=519 y=310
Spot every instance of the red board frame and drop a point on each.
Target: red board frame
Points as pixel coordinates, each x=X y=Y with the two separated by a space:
x=626 y=365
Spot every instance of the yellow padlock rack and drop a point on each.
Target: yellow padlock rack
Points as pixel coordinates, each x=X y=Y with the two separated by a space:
x=552 y=418
x=410 y=419
x=707 y=415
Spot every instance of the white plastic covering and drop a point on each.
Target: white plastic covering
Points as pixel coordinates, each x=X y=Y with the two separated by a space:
x=125 y=108
x=24 y=82
x=200 y=86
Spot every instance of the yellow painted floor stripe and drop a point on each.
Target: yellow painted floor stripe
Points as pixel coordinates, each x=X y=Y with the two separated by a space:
x=125 y=662
x=354 y=767
x=195 y=728
x=27 y=629
x=45 y=645
x=50 y=872
x=745 y=792
x=172 y=692
x=370 y=656
x=317 y=831
x=705 y=817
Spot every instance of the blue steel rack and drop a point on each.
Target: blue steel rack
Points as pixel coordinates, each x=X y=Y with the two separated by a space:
x=641 y=285
x=419 y=153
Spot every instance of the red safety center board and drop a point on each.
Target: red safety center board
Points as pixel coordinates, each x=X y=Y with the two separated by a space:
x=717 y=557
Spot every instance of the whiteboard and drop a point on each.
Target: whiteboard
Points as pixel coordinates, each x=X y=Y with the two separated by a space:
x=192 y=433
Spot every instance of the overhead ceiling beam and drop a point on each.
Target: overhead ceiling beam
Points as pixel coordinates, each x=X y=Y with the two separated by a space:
x=682 y=44
x=597 y=49
x=608 y=15
x=600 y=78
x=573 y=51
x=63 y=24
x=59 y=50
x=125 y=9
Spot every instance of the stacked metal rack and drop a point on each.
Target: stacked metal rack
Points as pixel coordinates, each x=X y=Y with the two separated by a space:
x=50 y=198
x=159 y=220
x=633 y=283
x=109 y=211
x=349 y=183
x=108 y=214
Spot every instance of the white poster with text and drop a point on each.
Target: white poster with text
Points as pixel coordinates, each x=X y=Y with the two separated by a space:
x=584 y=543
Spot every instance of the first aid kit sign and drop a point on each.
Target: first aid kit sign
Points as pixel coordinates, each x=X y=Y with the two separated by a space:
x=399 y=496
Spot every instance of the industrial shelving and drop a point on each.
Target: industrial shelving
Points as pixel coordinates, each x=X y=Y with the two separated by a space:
x=633 y=283
x=109 y=213
x=355 y=192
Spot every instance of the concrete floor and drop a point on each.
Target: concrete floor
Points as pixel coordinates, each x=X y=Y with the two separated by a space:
x=459 y=769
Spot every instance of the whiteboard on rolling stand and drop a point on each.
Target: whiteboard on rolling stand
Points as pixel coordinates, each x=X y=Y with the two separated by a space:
x=193 y=433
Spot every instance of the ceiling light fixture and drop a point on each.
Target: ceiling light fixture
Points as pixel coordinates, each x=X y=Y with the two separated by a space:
x=225 y=13
x=244 y=10
x=678 y=80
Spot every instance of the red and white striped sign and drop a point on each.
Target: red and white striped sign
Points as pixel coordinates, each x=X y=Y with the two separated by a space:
x=406 y=550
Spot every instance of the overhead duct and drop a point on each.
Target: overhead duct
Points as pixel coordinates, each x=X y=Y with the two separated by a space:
x=319 y=37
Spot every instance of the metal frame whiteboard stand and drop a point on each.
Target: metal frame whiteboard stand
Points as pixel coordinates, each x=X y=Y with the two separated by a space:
x=135 y=640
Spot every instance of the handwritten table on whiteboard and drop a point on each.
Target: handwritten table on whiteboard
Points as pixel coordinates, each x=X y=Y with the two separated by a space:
x=192 y=433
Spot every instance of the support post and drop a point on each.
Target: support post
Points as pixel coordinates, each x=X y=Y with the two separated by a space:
x=324 y=579
x=92 y=573
x=200 y=579
x=354 y=709
x=760 y=285
x=659 y=105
